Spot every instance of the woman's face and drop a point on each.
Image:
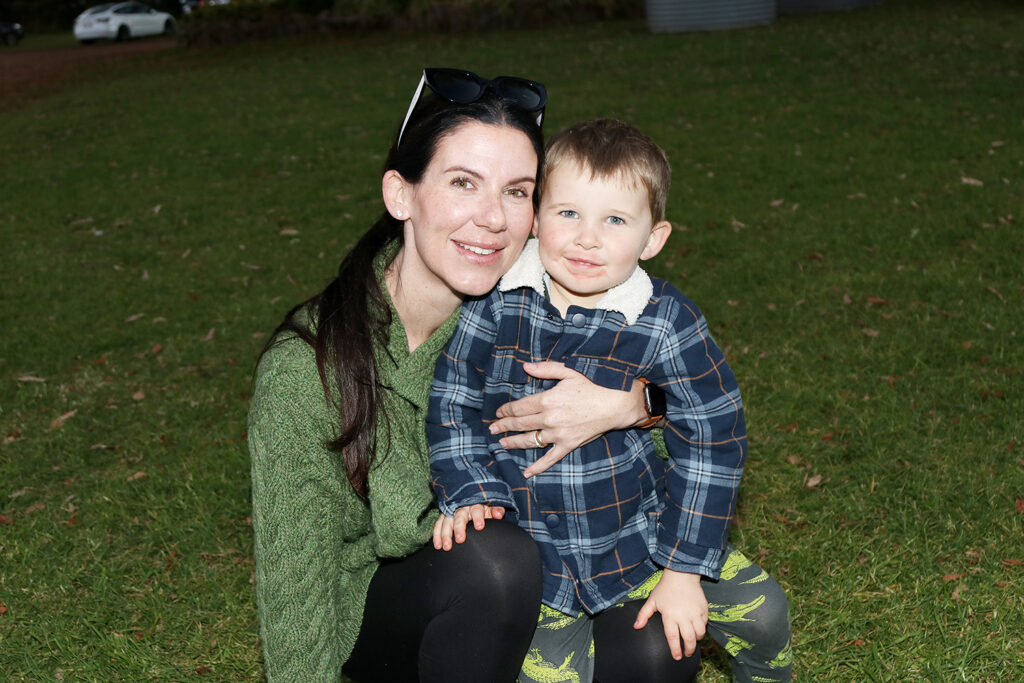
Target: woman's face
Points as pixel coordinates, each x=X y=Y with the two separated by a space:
x=469 y=216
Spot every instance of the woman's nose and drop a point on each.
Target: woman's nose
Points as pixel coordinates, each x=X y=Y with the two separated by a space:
x=491 y=214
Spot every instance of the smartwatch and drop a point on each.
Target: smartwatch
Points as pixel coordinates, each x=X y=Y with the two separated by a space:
x=654 y=403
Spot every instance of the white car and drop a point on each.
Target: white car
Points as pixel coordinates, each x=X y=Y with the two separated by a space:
x=122 y=21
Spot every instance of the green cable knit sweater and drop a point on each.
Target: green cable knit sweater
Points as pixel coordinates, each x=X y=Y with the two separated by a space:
x=316 y=543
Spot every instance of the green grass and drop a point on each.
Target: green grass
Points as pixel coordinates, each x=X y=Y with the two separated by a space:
x=848 y=196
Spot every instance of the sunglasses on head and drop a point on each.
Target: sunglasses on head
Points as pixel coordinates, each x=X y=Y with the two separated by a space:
x=464 y=87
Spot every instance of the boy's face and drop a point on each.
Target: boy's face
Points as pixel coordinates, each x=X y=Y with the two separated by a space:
x=592 y=232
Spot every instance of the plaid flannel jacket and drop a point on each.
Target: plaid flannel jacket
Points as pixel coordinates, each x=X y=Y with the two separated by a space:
x=610 y=512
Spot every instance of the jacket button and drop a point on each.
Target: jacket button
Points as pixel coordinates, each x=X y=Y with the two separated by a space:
x=579 y=320
x=552 y=521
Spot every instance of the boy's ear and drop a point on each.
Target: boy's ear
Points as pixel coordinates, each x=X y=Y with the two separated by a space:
x=536 y=224
x=659 y=235
x=395 y=190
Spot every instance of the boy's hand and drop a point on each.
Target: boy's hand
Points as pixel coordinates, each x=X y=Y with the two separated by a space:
x=684 y=610
x=445 y=528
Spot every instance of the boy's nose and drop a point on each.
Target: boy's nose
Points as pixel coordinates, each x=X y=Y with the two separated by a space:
x=587 y=236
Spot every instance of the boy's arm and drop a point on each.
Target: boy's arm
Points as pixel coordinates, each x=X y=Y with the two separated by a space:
x=707 y=442
x=456 y=431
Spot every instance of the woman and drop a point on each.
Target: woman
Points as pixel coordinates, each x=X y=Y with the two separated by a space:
x=346 y=581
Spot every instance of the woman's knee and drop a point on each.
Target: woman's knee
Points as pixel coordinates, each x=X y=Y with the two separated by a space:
x=501 y=563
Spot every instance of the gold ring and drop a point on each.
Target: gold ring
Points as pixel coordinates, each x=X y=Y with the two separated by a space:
x=536 y=438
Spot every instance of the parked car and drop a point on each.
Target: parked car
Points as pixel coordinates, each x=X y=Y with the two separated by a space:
x=122 y=21
x=11 y=33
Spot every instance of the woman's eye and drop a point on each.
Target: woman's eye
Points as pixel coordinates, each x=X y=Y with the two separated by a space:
x=517 y=192
x=462 y=183
x=568 y=213
x=615 y=220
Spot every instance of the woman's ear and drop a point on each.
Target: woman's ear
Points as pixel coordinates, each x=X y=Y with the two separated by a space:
x=659 y=235
x=396 y=191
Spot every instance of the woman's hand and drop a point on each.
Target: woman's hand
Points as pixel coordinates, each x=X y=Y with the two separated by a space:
x=570 y=414
x=684 y=611
x=446 y=527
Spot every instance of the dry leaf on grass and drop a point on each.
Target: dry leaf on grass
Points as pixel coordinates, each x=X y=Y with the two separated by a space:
x=814 y=481
x=30 y=378
x=138 y=476
x=58 y=422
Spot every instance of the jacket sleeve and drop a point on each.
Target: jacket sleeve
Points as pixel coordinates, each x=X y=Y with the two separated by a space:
x=707 y=442
x=456 y=431
x=312 y=542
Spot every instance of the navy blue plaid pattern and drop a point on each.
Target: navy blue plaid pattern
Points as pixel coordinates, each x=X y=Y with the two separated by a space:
x=612 y=512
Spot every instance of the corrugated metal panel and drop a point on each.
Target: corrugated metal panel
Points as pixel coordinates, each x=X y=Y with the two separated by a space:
x=808 y=6
x=706 y=15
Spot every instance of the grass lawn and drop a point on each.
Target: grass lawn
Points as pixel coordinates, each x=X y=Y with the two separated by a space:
x=848 y=196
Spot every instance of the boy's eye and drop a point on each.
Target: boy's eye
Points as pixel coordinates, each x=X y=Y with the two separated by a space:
x=568 y=213
x=462 y=183
x=615 y=220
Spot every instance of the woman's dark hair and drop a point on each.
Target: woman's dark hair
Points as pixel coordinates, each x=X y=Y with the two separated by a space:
x=351 y=316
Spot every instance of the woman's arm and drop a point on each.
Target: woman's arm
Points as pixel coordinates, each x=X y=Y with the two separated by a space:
x=308 y=548
x=574 y=412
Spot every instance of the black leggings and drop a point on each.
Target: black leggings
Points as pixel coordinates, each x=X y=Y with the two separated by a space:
x=463 y=615
x=625 y=654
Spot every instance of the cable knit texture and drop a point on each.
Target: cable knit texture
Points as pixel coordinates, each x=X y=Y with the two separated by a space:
x=316 y=543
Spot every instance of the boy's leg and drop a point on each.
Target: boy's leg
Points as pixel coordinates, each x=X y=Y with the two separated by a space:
x=749 y=617
x=562 y=650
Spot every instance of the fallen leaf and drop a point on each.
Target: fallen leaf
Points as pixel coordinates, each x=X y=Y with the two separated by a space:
x=258 y=335
x=35 y=507
x=996 y=292
x=793 y=459
x=209 y=335
x=139 y=395
x=133 y=318
x=12 y=437
x=30 y=378
x=971 y=181
x=1020 y=506
x=58 y=422
x=138 y=476
x=156 y=209
x=778 y=202
x=1012 y=562
x=958 y=591
x=156 y=348
x=952 y=577
x=288 y=232
x=203 y=669
x=814 y=481
x=869 y=332
x=4 y=519
x=858 y=642
x=3 y=609
x=877 y=301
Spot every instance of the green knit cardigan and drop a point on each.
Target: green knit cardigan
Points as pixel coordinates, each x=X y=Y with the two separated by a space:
x=316 y=543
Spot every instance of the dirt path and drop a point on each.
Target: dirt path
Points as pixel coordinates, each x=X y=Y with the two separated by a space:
x=25 y=71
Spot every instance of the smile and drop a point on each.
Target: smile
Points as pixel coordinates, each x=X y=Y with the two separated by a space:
x=476 y=250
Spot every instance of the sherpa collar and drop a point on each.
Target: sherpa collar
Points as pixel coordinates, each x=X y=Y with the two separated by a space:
x=628 y=298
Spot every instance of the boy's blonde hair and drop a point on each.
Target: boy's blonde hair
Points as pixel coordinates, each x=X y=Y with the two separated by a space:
x=614 y=149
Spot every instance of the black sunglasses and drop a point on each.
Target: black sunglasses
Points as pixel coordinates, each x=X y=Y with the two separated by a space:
x=464 y=87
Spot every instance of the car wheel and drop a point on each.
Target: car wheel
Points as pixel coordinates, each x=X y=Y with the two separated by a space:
x=123 y=33
x=87 y=42
x=11 y=39
x=169 y=28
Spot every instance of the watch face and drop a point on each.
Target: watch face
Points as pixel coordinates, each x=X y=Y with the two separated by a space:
x=654 y=400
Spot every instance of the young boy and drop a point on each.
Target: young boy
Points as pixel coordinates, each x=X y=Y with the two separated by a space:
x=614 y=523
